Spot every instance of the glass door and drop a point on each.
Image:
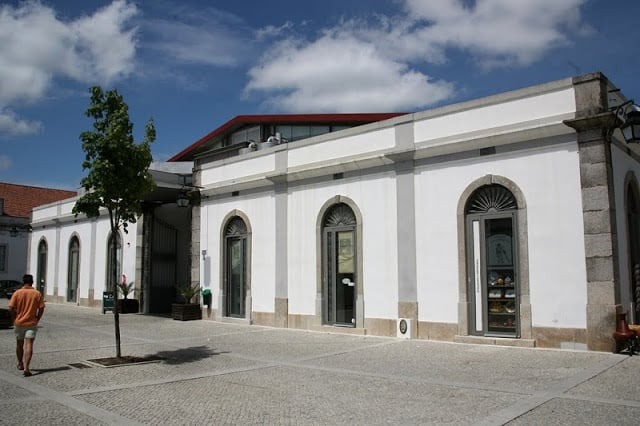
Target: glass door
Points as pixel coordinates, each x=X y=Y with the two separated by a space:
x=340 y=277
x=501 y=297
x=494 y=276
x=236 y=277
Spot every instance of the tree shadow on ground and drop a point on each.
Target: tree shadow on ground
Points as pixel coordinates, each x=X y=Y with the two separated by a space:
x=175 y=357
x=186 y=355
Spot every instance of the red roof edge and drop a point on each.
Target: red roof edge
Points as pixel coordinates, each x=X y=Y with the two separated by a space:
x=286 y=118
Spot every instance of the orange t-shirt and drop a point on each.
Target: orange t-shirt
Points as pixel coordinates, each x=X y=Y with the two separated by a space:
x=26 y=301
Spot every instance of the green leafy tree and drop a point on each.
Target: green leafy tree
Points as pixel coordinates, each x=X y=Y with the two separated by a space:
x=118 y=172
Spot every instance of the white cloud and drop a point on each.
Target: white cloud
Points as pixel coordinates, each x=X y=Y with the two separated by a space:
x=273 y=31
x=194 y=44
x=373 y=65
x=203 y=36
x=495 y=32
x=343 y=75
x=12 y=125
x=36 y=46
x=105 y=45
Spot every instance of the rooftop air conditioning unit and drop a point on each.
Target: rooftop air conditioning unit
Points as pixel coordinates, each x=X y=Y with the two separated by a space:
x=404 y=328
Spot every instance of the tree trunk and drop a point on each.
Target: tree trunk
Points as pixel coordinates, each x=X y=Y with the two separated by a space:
x=114 y=268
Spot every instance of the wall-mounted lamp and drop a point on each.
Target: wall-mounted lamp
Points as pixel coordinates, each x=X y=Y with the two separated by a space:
x=629 y=115
x=204 y=255
x=183 y=199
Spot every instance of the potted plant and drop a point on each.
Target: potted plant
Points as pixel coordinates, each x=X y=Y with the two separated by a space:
x=184 y=309
x=126 y=305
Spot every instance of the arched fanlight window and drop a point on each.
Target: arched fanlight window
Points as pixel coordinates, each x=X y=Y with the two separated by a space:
x=491 y=199
x=236 y=227
x=340 y=215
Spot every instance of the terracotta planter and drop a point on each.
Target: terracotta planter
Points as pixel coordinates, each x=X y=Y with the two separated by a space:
x=186 y=311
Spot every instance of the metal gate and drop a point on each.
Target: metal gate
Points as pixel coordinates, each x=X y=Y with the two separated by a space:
x=163 y=267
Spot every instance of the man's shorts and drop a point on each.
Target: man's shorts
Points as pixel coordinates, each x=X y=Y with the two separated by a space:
x=25 y=332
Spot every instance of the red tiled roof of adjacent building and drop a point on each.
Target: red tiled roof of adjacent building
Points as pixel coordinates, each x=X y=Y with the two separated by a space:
x=19 y=200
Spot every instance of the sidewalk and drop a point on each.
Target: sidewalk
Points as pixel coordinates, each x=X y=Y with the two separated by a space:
x=214 y=373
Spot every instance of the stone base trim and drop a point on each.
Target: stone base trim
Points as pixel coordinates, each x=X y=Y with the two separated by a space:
x=339 y=330
x=543 y=337
x=381 y=327
x=231 y=320
x=560 y=338
x=90 y=302
x=601 y=323
x=437 y=330
x=281 y=318
x=302 y=322
x=56 y=299
x=263 y=318
x=497 y=341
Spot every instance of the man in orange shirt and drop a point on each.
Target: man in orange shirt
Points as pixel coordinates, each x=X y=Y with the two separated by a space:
x=26 y=307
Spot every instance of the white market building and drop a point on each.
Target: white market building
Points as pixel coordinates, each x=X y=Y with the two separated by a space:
x=512 y=219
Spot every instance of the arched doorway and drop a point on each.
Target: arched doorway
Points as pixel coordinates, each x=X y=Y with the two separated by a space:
x=41 y=272
x=235 y=267
x=339 y=265
x=73 y=270
x=492 y=262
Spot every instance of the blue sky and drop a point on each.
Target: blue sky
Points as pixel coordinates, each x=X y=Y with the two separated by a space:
x=192 y=65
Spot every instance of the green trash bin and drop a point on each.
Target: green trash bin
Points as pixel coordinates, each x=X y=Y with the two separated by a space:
x=107 y=301
x=206 y=297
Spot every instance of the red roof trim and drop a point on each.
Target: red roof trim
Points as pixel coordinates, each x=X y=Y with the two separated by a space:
x=285 y=118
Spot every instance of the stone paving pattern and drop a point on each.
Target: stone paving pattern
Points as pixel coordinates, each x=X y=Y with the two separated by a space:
x=216 y=373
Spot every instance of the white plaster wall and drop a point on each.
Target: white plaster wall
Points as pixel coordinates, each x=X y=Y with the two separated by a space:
x=260 y=210
x=519 y=111
x=44 y=212
x=622 y=164
x=92 y=262
x=66 y=207
x=230 y=170
x=335 y=149
x=375 y=196
x=550 y=181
